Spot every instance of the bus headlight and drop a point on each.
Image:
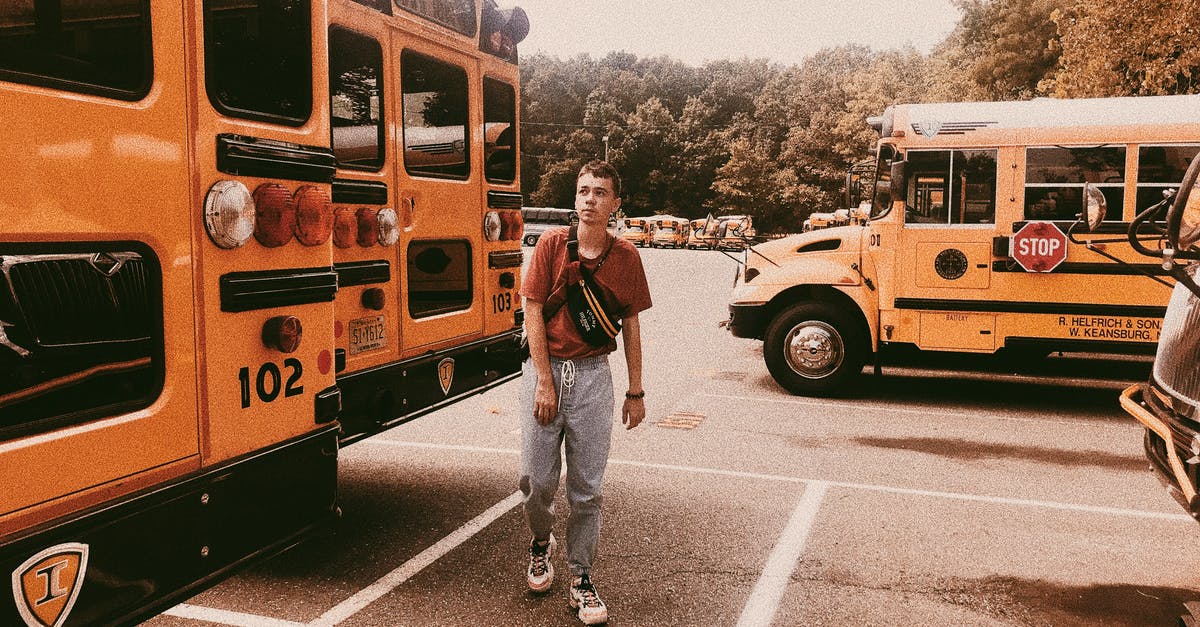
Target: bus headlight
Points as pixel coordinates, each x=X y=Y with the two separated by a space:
x=492 y=226
x=389 y=226
x=229 y=214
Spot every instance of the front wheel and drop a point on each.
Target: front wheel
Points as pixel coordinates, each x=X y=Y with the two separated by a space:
x=814 y=348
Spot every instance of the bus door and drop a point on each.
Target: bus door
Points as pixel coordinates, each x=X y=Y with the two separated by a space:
x=97 y=230
x=438 y=195
x=945 y=249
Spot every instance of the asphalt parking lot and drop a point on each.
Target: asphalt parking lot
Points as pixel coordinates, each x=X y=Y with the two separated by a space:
x=927 y=497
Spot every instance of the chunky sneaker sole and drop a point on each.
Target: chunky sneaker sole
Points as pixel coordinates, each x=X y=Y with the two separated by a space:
x=587 y=605
x=541 y=581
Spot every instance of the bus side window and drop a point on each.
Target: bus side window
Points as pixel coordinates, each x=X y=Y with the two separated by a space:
x=1055 y=176
x=1161 y=168
x=499 y=131
x=356 y=99
x=952 y=187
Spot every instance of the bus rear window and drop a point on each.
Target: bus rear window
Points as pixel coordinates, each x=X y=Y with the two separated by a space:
x=435 y=117
x=258 y=59
x=356 y=99
x=499 y=131
x=90 y=46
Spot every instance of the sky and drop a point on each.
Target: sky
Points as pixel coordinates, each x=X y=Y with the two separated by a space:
x=704 y=30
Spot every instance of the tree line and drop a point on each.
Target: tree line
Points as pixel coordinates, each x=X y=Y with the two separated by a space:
x=773 y=141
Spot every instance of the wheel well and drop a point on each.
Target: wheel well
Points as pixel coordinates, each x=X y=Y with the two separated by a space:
x=816 y=293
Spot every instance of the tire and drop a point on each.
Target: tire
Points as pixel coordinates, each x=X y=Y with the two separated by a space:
x=531 y=240
x=815 y=348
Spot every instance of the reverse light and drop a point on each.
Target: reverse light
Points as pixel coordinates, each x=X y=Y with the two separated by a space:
x=314 y=216
x=368 y=227
x=389 y=226
x=282 y=333
x=275 y=213
x=229 y=214
x=492 y=226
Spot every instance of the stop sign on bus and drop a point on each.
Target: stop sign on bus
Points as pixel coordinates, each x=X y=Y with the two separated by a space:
x=1039 y=246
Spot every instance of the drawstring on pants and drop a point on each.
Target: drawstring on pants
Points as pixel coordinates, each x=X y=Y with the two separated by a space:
x=567 y=380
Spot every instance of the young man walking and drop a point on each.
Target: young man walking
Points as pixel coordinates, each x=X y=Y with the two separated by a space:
x=568 y=388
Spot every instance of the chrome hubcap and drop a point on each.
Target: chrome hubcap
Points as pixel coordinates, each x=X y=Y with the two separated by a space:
x=813 y=349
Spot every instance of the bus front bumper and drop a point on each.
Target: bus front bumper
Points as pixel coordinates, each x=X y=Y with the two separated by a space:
x=1168 y=444
x=747 y=320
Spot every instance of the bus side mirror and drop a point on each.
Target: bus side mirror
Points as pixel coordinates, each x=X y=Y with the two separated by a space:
x=1183 y=219
x=899 y=180
x=1095 y=206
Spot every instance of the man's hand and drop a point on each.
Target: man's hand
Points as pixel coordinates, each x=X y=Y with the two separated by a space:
x=545 y=401
x=633 y=412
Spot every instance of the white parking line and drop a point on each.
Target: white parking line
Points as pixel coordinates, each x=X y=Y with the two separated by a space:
x=772 y=583
x=225 y=617
x=392 y=580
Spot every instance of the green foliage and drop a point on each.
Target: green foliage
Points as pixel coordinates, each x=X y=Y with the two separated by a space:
x=750 y=136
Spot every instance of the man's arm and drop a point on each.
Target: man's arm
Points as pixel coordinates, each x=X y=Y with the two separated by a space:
x=633 y=411
x=545 y=398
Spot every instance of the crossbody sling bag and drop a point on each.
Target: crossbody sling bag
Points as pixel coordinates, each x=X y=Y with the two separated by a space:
x=585 y=300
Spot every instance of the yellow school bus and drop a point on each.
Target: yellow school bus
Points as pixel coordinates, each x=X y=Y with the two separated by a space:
x=734 y=232
x=1166 y=404
x=220 y=255
x=969 y=246
x=702 y=234
x=670 y=232
x=637 y=232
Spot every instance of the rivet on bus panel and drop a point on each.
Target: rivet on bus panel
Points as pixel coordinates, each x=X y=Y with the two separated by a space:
x=282 y=333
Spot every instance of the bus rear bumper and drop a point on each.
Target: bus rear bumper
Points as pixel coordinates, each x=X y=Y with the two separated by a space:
x=748 y=320
x=379 y=398
x=149 y=551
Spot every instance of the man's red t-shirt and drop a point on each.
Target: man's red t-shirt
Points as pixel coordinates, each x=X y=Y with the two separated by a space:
x=621 y=278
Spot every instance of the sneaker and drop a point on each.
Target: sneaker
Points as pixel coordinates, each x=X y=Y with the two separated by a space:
x=540 y=573
x=586 y=601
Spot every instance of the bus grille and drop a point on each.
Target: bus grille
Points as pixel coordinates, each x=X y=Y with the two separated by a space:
x=66 y=300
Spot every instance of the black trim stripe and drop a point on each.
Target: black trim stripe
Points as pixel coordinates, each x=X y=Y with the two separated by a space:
x=506 y=259
x=504 y=200
x=1109 y=269
x=251 y=291
x=252 y=156
x=363 y=272
x=1000 y=306
x=360 y=192
x=1105 y=228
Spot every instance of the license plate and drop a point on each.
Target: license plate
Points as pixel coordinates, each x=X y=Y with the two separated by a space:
x=367 y=334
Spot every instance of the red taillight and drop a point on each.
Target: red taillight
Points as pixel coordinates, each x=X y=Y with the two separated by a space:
x=275 y=215
x=345 y=228
x=374 y=299
x=282 y=333
x=314 y=216
x=518 y=225
x=368 y=227
x=510 y=225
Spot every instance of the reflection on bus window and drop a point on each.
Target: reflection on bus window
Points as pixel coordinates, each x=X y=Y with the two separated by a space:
x=951 y=187
x=439 y=277
x=1161 y=168
x=258 y=59
x=458 y=15
x=499 y=131
x=1055 y=176
x=356 y=99
x=102 y=46
x=435 y=117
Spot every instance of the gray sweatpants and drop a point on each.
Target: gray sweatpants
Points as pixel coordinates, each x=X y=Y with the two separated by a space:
x=584 y=423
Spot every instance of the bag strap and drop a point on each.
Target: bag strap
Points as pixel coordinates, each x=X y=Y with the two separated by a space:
x=573 y=250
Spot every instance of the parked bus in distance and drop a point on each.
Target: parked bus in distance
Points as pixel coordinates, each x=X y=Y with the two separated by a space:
x=702 y=234
x=823 y=220
x=967 y=247
x=734 y=232
x=219 y=264
x=637 y=231
x=539 y=219
x=670 y=232
x=1167 y=404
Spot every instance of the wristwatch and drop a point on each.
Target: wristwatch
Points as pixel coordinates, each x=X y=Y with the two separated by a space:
x=635 y=397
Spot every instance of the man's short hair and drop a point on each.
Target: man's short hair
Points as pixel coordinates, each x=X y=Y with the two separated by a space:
x=602 y=170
